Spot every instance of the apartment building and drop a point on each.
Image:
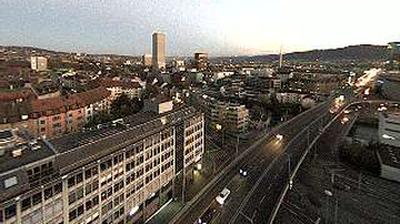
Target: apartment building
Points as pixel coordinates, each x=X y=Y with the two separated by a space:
x=117 y=87
x=232 y=116
x=119 y=174
x=55 y=116
x=38 y=63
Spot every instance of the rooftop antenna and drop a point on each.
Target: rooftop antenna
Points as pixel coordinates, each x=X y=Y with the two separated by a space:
x=280 y=58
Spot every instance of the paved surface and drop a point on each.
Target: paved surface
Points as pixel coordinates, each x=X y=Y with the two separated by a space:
x=166 y=214
x=357 y=197
x=258 y=160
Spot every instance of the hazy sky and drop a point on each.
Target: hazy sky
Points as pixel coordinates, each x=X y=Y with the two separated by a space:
x=218 y=26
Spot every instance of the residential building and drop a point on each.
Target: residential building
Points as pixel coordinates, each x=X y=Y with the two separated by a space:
x=51 y=117
x=146 y=60
x=119 y=174
x=158 y=105
x=289 y=97
x=132 y=89
x=38 y=63
x=158 y=57
x=201 y=61
x=178 y=65
x=232 y=116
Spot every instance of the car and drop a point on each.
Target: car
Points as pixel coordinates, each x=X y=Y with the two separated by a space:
x=207 y=216
x=344 y=120
x=221 y=198
x=279 y=137
x=347 y=111
x=243 y=171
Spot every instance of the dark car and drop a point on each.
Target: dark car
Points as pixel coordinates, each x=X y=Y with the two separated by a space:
x=207 y=216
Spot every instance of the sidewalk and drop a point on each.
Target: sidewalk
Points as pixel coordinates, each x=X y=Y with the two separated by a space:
x=193 y=185
x=167 y=213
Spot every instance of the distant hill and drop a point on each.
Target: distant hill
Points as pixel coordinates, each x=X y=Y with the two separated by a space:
x=350 y=53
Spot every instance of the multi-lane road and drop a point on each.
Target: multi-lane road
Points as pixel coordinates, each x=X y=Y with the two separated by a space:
x=253 y=197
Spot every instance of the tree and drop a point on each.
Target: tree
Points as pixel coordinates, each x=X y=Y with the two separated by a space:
x=124 y=106
x=99 y=118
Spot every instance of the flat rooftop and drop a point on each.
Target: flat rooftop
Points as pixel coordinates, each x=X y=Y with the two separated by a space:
x=20 y=150
x=78 y=149
x=390 y=156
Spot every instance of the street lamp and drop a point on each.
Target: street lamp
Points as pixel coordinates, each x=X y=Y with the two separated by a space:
x=289 y=171
x=219 y=128
x=328 y=194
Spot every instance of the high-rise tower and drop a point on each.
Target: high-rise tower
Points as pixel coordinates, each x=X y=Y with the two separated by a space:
x=158 y=58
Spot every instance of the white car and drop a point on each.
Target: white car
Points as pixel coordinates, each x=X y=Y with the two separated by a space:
x=221 y=198
x=279 y=137
x=344 y=120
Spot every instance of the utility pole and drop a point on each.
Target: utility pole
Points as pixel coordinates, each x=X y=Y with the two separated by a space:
x=183 y=183
x=280 y=58
x=237 y=145
x=289 y=172
x=336 y=208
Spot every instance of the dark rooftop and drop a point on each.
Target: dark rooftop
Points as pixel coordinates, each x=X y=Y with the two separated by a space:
x=390 y=156
x=78 y=149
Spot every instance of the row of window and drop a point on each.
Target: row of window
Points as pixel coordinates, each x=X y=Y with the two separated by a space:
x=193 y=129
x=36 y=198
x=78 y=211
x=150 y=177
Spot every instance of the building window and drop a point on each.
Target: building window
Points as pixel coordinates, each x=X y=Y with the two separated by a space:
x=71 y=182
x=26 y=203
x=48 y=193
x=37 y=198
x=10 y=211
x=58 y=188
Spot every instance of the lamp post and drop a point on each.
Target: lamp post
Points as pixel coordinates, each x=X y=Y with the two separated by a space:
x=289 y=171
x=219 y=128
x=237 y=145
x=328 y=195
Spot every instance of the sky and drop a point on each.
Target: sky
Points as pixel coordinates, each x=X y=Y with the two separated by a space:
x=220 y=27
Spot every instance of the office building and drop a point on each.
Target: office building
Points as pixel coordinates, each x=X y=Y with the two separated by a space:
x=158 y=51
x=146 y=60
x=201 y=61
x=121 y=173
x=38 y=63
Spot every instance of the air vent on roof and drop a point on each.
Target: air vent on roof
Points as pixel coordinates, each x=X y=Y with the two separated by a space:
x=17 y=152
x=10 y=182
x=35 y=147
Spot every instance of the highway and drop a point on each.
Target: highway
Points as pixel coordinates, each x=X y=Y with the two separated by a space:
x=245 y=202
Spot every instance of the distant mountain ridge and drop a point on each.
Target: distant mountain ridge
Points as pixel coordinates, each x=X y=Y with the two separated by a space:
x=356 y=52
x=364 y=52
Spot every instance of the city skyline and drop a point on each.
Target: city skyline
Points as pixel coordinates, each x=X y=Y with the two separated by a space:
x=255 y=27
